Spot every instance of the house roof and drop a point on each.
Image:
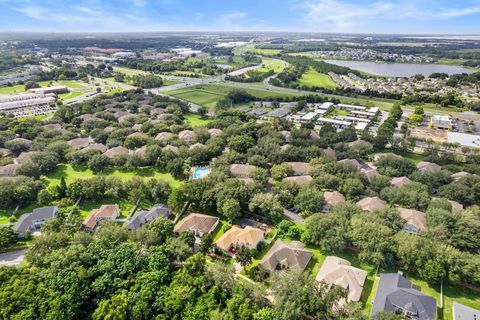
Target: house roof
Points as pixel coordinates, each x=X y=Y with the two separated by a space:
x=238 y=236
x=9 y=169
x=299 y=180
x=197 y=222
x=25 y=156
x=339 y=272
x=115 y=151
x=80 y=143
x=144 y=216
x=170 y=148
x=5 y=152
x=400 y=181
x=413 y=217
x=186 y=134
x=88 y=117
x=371 y=203
x=141 y=151
x=394 y=291
x=354 y=162
x=105 y=211
x=242 y=170
x=379 y=156
x=287 y=135
x=300 y=168
x=196 y=145
x=330 y=152
x=428 y=166
x=458 y=175
x=333 y=198
x=26 y=221
x=26 y=141
x=95 y=146
x=163 y=136
x=314 y=134
x=292 y=255
x=370 y=173
x=456 y=205
x=214 y=132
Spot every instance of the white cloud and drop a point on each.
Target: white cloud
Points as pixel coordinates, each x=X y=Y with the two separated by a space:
x=139 y=3
x=87 y=10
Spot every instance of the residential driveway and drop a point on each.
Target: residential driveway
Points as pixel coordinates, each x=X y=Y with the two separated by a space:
x=293 y=216
x=13 y=258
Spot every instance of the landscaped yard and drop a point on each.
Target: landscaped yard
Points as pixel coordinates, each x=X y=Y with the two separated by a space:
x=208 y=95
x=195 y=120
x=70 y=95
x=87 y=206
x=312 y=78
x=71 y=174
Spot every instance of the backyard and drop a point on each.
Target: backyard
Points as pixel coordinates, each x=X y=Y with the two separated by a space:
x=195 y=120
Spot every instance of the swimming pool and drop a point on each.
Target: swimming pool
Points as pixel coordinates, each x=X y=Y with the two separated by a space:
x=200 y=172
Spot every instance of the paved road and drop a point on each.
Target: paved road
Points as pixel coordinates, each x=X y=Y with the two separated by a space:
x=13 y=258
x=293 y=216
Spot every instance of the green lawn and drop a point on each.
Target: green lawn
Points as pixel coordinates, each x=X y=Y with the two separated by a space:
x=13 y=89
x=129 y=71
x=271 y=64
x=87 y=206
x=312 y=78
x=170 y=82
x=71 y=174
x=209 y=94
x=70 y=95
x=195 y=120
x=264 y=52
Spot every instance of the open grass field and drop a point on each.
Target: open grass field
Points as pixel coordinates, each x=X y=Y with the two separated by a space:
x=195 y=120
x=271 y=64
x=70 y=95
x=264 y=52
x=13 y=89
x=303 y=54
x=71 y=174
x=312 y=78
x=21 y=87
x=167 y=82
x=208 y=95
x=129 y=71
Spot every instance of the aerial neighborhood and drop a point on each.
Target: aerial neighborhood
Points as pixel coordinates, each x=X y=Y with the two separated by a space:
x=238 y=176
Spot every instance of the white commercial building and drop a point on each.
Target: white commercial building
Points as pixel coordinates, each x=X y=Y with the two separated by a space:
x=464 y=139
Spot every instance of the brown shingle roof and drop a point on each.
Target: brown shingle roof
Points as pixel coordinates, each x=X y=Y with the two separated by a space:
x=237 y=236
x=299 y=180
x=371 y=203
x=300 y=168
x=400 y=181
x=163 y=136
x=282 y=255
x=197 y=222
x=242 y=170
x=428 y=166
x=414 y=218
x=333 y=198
x=115 y=151
x=106 y=211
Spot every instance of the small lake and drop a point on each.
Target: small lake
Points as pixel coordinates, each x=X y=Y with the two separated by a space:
x=399 y=69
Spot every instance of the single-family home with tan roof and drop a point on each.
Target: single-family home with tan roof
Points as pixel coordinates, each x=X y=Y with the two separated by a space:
x=353 y=162
x=116 y=151
x=242 y=170
x=80 y=143
x=197 y=223
x=170 y=148
x=287 y=136
x=299 y=180
x=400 y=181
x=25 y=156
x=9 y=170
x=105 y=212
x=237 y=236
x=286 y=256
x=95 y=146
x=214 y=132
x=371 y=203
x=330 y=153
x=196 y=145
x=332 y=198
x=428 y=166
x=163 y=136
x=415 y=220
x=300 y=168
x=456 y=205
x=187 y=135
x=338 y=272
x=458 y=175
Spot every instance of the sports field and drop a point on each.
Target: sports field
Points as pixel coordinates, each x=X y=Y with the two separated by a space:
x=312 y=78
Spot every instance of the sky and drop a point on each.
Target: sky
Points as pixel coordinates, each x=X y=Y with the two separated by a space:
x=332 y=16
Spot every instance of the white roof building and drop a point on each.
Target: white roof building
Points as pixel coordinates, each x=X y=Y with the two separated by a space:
x=464 y=139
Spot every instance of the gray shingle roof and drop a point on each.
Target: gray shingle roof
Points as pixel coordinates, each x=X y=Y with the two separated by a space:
x=29 y=221
x=144 y=216
x=395 y=291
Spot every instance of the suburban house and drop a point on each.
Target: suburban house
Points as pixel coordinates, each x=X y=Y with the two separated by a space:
x=332 y=198
x=170 y=148
x=214 y=132
x=105 y=212
x=440 y=122
x=396 y=294
x=286 y=256
x=80 y=143
x=144 y=216
x=415 y=220
x=299 y=180
x=187 y=135
x=353 y=162
x=456 y=205
x=196 y=223
x=462 y=312
x=25 y=156
x=242 y=170
x=287 y=136
x=371 y=203
x=33 y=221
x=458 y=175
x=428 y=166
x=95 y=146
x=400 y=181
x=115 y=151
x=5 y=152
x=237 y=236
x=339 y=272
x=369 y=172
x=330 y=153
x=163 y=136
x=300 y=168
x=142 y=151
x=9 y=170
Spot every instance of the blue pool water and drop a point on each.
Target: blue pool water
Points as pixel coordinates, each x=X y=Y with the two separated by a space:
x=199 y=173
